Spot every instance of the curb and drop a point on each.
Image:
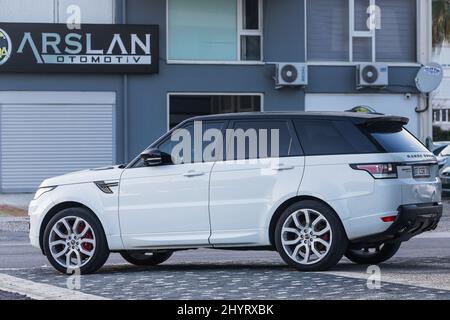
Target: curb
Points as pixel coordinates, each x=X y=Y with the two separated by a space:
x=39 y=291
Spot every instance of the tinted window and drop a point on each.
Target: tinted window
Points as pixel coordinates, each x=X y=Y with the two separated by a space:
x=168 y=145
x=394 y=138
x=274 y=139
x=325 y=137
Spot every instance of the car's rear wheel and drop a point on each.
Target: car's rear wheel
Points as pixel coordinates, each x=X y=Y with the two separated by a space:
x=376 y=255
x=144 y=258
x=74 y=240
x=310 y=237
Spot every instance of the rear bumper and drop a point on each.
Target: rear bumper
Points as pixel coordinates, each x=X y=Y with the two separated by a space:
x=411 y=221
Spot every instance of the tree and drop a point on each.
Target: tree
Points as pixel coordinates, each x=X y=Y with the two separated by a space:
x=441 y=22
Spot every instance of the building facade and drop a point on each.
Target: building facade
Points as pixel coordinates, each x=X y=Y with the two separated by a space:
x=215 y=56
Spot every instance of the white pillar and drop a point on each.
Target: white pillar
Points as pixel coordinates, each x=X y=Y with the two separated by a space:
x=424 y=55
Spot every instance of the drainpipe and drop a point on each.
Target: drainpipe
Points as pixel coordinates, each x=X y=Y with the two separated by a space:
x=424 y=46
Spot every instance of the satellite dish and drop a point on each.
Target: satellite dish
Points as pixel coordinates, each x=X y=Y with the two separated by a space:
x=289 y=73
x=429 y=77
x=369 y=74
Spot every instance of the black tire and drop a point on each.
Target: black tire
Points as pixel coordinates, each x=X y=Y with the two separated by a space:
x=148 y=259
x=101 y=250
x=338 y=244
x=381 y=254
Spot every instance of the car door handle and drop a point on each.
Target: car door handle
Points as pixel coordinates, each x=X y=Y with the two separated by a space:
x=191 y=174
x=282 y=167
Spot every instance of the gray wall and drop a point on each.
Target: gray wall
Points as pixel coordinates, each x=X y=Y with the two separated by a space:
x=342 y=79
x=146 y=95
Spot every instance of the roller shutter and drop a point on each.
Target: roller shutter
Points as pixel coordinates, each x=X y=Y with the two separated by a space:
x=38 y=141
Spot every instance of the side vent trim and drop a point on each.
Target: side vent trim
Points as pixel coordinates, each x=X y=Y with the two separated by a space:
x=106 y=187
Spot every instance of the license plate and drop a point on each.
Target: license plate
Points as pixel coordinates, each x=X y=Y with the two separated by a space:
x=422 y=172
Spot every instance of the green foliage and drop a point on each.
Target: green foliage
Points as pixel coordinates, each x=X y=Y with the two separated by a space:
x=441 y=21
x=440 y=135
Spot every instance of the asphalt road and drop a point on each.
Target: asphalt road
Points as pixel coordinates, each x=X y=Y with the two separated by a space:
x=421 y=270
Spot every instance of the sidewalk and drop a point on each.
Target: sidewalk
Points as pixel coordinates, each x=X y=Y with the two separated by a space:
x=15 y=205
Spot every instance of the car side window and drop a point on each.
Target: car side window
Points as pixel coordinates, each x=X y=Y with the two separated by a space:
x=327 y=137
x=168 y=145
x=275 y=138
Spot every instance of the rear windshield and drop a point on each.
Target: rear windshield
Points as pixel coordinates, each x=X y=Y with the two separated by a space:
x=394 y=138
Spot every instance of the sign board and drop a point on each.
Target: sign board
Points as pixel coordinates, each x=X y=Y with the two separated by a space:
x=95 y=48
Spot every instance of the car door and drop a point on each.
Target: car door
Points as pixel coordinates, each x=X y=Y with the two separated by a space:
x=246 y=190
x=166 y=205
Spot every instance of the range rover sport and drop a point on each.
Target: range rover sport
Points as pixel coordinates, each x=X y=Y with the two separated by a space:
x=338 y=184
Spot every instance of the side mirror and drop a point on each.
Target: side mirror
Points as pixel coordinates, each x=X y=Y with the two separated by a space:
x=154 y=157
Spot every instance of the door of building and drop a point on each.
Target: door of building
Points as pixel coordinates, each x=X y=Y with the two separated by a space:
x=45 y=134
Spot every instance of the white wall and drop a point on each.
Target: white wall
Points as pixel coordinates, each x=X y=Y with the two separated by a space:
x=55 y=11
x=393 y=104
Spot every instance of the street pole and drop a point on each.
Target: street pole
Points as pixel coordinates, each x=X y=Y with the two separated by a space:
x=424 y=44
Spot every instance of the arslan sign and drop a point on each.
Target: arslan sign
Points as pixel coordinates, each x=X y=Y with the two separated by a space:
x=94 y=48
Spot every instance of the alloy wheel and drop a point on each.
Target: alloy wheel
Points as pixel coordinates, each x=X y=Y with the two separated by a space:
x=72 y=242
x=306 y=236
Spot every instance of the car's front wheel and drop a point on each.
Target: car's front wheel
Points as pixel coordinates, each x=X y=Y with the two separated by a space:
x=74 y=240
x=374 y=255
x=144 y=258
x=310 y=237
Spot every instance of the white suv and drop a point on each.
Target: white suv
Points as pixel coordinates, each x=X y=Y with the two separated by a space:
x=340 y=184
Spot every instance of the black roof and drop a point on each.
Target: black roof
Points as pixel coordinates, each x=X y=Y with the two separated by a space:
x=353 y=116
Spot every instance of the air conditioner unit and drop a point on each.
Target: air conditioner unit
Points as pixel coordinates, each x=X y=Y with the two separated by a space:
x=372 y=75
x=291 y=74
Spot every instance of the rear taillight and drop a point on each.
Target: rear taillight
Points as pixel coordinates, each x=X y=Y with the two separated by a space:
x=389 y=219
x=378 y=170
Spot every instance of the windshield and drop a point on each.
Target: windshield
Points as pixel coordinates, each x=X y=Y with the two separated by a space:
x=394 y=138
x=446 y=151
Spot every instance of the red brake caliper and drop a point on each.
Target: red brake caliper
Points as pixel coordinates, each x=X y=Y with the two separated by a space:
x=86 y=246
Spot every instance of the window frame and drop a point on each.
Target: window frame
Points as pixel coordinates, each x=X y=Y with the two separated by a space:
x=184 y=125
x=240 y=32
x=438 y=116
x=364 y=34
x=167 y=136
x=290 y=127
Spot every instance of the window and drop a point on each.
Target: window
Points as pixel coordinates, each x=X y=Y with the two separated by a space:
x=214 y=31
x=338 y=30
x=285 y=145
x=55 y=11
x=250 y=30
x=394 y=138
x=327 y=30
x=323 y=137
x=98 y=11
x=183 y=107
x=27 y=11
x=168 y=145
